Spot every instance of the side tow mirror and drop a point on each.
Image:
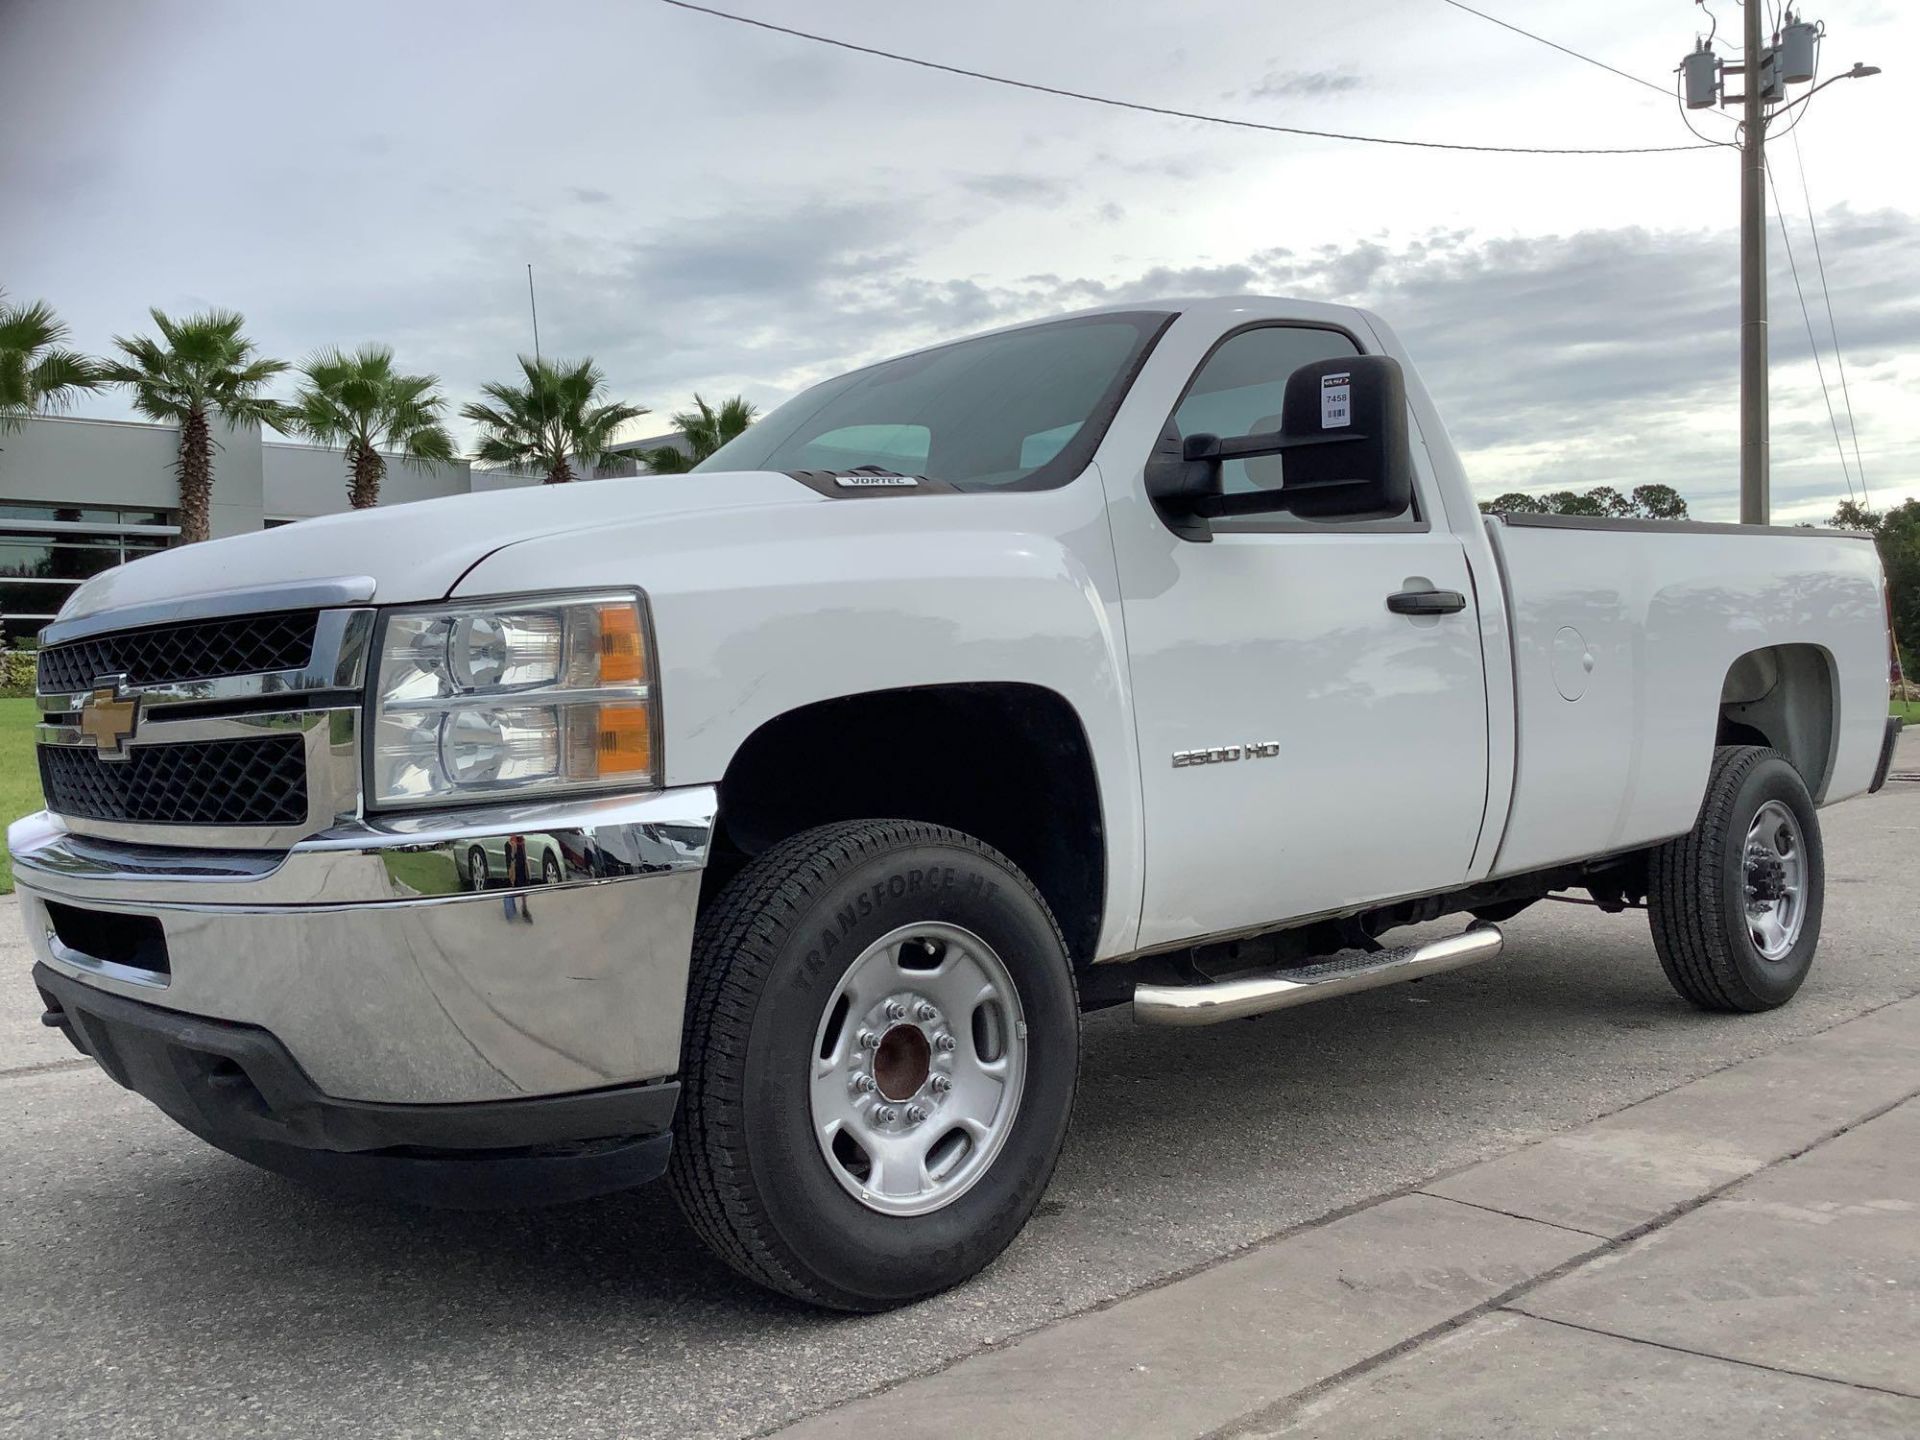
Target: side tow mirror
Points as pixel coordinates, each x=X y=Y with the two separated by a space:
x=1343 y=436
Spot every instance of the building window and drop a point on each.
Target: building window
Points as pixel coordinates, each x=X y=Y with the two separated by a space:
x=47 y=550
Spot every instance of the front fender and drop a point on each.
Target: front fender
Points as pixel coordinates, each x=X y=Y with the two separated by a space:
x=761 y=611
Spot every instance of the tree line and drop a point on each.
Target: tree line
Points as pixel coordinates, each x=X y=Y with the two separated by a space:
x=1646 y=502
x=202 y=367
x=1897 y=534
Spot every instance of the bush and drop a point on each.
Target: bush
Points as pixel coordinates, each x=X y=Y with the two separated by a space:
x=16 y=672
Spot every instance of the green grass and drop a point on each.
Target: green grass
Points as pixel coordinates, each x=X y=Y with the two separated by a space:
x=19 y=775
x=1908 y=710
x=424 y=872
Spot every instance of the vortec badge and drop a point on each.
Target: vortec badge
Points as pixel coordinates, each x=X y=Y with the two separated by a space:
x=109 y=717
x=858 y=482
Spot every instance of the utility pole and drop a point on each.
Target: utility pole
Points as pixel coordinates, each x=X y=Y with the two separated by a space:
x=1768 y=69
x=1756 y=501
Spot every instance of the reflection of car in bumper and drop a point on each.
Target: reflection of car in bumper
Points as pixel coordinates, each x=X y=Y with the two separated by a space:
x=486 y=861
x=351 y=1008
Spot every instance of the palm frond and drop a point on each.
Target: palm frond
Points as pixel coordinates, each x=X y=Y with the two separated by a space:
x=358 y=399
x=666 y=460
x=555 y=417
x=707 y=429
x=38 y=371
x=201 y=363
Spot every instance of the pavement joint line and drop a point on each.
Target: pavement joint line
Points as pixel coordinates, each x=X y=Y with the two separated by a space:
x=1412 y=1187
x=1509 y=1215
x=1287 y=1405
x=1419 y=1186
x=1714 y=1355
x=45 y=1067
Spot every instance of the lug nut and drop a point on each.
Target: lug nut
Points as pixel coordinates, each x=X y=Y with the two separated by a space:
x=886 y=1115
x=926 y=1011
x=895 y=1010
x=945 y=1042
x=942 y=1084
x=869 y=1040
x=862 y=1084
x=915 y=1114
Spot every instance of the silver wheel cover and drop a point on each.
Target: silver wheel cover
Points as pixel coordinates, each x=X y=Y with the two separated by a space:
x=1776 y=879
x=917 y=1069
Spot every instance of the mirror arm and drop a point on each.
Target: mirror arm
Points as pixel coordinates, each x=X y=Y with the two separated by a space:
x=1246 y=447
x=1256 y=502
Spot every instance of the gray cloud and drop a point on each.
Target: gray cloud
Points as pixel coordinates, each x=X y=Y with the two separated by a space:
x=1015 y=189
x=1301 y=84
x=724 y=209
x=1599 y=350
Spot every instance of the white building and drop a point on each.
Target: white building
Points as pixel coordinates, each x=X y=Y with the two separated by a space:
x=80 y=496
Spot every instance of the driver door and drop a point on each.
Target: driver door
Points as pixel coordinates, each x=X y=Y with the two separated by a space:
x=1303 y=749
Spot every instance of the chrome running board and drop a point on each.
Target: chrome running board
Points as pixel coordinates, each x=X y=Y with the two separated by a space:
x=1241 y=996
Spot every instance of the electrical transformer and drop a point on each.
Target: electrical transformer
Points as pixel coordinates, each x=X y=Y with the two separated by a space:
x=1701 y=73
x=1799 y=50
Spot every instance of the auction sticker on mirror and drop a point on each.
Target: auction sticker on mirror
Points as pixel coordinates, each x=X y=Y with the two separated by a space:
x=1336 y=393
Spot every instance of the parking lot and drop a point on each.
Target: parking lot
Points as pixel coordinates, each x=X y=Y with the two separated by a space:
x=152 y=1286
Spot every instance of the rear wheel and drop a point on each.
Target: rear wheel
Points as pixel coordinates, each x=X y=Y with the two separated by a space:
x=882 y=1040
x=1735 y=904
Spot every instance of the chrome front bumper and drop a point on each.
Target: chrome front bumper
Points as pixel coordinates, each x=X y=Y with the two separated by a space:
x=397 y=961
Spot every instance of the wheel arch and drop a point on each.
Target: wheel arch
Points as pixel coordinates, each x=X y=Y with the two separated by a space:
x=1005 y=761
x=1784 y=697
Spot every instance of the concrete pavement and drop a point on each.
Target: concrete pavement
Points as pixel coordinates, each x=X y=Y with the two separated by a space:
x=151 y=1286
x=1739 y=1256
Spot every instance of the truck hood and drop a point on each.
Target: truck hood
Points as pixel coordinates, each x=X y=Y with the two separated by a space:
x=419 y=551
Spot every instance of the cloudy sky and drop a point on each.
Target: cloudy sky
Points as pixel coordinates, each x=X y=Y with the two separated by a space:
x=713 y=207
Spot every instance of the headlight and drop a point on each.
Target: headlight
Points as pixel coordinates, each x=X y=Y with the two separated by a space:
x=534 y=694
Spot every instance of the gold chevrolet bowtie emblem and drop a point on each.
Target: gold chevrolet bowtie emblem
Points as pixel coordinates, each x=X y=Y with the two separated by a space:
x=109 y=718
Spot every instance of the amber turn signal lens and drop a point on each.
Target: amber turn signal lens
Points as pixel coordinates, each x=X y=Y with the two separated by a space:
x=623 y=645
x=626 y=740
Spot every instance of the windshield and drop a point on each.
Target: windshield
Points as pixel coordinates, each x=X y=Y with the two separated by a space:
x=1023 y=408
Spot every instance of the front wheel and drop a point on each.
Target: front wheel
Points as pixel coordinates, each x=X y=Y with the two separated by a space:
x=1735 y=904
x=881 y=1049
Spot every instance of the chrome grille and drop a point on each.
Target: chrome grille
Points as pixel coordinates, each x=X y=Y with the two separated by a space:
x=233 y=728
x=215 y=782
x=203 y=650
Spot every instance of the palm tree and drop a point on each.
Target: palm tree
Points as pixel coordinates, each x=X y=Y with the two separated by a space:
x=37 y=371
x=552 y=419
x=206 y=367
x=360 y=402
x=706 y=429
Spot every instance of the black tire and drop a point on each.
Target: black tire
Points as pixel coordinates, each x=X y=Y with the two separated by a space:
x=768 y=954
x=477 y=874
x=1697 y=889
x=549 y=869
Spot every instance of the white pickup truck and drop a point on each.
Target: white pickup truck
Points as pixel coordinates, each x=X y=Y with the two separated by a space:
x=1154 y=655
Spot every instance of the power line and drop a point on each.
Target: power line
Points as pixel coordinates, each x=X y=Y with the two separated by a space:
x=1588 y=59
x=1838 y=360
x=1786 y=239
x=1162 y=109
x=1555 y=45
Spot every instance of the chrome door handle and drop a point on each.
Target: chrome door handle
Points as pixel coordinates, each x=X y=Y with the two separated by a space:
x=1426 y=602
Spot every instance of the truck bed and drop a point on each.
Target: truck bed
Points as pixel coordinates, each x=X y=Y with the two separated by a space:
x=1626 y=635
